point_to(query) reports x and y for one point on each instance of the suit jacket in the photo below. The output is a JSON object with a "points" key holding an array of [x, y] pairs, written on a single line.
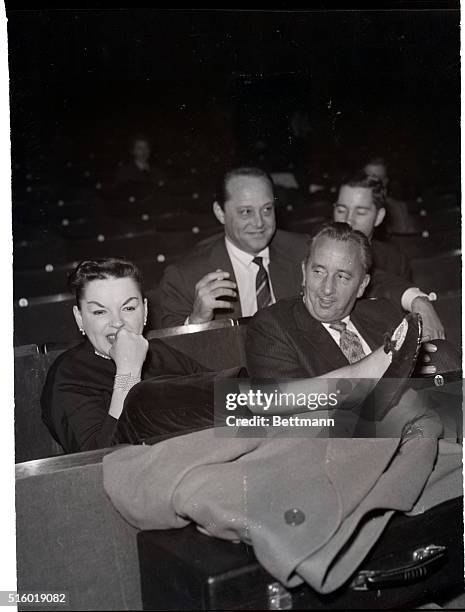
{"points": [[177, 287], [285, 341], [388, 257]]}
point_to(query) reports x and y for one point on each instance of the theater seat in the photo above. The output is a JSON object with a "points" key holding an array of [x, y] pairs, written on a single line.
{"points": [[48, 280], [449, 308], [40, 252], [70, 538], [32, 438], [217, 345], [426, 244], [438, 220], [440, 273], [45, 319]]}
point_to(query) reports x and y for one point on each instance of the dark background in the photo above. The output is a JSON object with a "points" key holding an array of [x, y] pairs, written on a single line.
{"points": [[373, 82]]}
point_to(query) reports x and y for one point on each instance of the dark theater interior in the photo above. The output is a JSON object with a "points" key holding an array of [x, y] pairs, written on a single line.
{"points": [[124, 122]]}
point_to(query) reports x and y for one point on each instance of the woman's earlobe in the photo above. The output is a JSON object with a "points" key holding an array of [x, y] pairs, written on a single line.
{"points": [[78, 319]]}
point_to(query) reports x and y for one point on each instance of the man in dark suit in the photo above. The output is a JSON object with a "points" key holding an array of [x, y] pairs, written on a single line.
{"points": [[328, 327], [250, 266], [398, 217], [361, 203]]}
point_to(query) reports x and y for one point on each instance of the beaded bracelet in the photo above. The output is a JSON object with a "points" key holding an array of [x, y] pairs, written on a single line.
{"points": [[125, 382]]}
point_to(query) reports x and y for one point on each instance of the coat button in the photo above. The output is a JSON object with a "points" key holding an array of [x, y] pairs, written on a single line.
{"points": [[294, 517]]}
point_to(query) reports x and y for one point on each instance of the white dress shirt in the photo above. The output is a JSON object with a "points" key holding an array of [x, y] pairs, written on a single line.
{"points": [[336, 336], [245, 272], [413, 292]]}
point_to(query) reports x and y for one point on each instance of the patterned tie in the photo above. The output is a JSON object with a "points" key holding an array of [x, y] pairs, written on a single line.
{"points": [[350, 343], [262, 284]]}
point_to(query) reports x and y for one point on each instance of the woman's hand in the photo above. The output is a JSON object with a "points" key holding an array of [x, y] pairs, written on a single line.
{"points": [[129, 352]]}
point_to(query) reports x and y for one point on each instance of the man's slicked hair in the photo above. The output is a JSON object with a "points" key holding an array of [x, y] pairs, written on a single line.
{"points": [[221, 192], [378, 191], [343, 232]]}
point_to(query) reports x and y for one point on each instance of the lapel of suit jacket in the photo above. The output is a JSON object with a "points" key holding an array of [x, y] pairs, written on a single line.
{"points": [[284, 274], [319, 341], [368, 327], [219, 258]]}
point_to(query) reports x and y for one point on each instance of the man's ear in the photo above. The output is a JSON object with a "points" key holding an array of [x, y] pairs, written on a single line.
{"points": [[380, 216], [363, 285], [78, 317], [218, 212], [304, 275]]}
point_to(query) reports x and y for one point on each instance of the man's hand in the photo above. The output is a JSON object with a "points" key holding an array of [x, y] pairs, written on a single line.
{"points": [[424, 359], [432, 326], [128, 352], [212, 286]]}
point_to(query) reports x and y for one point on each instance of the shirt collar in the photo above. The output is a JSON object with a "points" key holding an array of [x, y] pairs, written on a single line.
{"points": [[246, 258], [345, 320]]}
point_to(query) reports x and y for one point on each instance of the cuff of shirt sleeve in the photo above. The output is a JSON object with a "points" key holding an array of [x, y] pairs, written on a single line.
{"points": [[410, 294]]}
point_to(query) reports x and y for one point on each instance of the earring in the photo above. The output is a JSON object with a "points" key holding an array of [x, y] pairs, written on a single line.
{"points": [[82, 331]]}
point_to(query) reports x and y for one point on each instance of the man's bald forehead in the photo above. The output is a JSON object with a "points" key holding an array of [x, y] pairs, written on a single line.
{"points": [[246, 184]]}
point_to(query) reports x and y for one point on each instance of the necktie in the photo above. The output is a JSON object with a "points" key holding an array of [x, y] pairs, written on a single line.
{"points": [[350, 343], [262, 284]]}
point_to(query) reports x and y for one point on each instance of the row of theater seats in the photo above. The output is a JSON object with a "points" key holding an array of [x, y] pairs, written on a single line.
{"points": [[49, 318], [67, 175], [90, 218], [151, 245], [80, 234], [153, 240], [87, 216], [216, 345], [74, 215]]}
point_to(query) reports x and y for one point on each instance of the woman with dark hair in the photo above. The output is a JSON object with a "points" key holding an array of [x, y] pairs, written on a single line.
{"points": [[86, 386]]}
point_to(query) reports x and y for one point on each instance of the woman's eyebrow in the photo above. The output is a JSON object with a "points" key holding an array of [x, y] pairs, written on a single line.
{"points": [[129, 299], [96, 303]]}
